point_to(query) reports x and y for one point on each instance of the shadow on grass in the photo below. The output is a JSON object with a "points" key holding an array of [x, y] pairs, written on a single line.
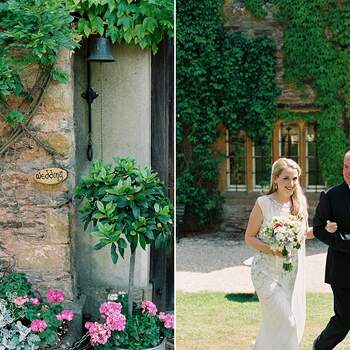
{"points": [[242, 297]]}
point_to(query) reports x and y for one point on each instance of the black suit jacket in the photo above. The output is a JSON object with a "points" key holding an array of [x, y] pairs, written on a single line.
{"points": [[335, 206]]}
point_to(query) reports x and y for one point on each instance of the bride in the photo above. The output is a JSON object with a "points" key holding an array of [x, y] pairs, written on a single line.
{"points": [[281, 293]]}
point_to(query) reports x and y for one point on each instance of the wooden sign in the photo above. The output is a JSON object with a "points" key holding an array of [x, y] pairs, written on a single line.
{"points": [[50, 176]]}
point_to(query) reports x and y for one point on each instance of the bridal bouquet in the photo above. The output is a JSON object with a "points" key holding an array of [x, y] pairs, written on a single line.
{"points": [[283, 234]]}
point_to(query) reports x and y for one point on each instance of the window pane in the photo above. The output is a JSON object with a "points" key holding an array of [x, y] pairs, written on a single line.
{"points": [[289, 141], [313, 174], [237, 161], [261, 169]]}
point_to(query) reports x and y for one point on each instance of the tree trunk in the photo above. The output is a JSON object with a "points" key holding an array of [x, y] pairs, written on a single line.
{"points": [[131, 282]]}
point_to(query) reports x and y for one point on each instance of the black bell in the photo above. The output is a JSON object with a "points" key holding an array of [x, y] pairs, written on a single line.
{"points": [[100, 50]]}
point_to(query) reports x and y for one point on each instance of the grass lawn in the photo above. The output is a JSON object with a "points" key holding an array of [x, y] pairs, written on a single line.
{"points": [[220, 321]]}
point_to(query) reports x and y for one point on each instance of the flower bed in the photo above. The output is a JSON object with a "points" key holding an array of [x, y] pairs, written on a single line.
{"points": [[27, 320], [145, 328]]}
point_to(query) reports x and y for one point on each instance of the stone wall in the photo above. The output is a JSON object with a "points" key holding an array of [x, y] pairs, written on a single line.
{"points": [[238, 206], [237, 18], [35, 218]]}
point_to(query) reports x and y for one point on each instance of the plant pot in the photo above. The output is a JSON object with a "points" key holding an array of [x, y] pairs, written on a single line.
{"points": [[161, 346]]}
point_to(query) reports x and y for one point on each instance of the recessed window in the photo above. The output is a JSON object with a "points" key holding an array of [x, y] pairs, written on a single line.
{"points": [[236, 154], [289, 141], [314, 180], [261, 166]]}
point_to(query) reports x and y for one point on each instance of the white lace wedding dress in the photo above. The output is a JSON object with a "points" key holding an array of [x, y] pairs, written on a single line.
{"points": [[281, 293]]}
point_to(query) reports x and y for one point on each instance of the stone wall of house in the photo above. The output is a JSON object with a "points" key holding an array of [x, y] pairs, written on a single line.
{"points": [[237, 18], [35, 218], [239, 204]]}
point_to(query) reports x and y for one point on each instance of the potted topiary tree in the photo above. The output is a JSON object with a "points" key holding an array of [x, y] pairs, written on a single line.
{"points": [[126, 205]]}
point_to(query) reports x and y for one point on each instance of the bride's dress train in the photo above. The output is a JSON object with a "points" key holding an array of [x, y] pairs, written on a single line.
{"points": [[281, 293]]}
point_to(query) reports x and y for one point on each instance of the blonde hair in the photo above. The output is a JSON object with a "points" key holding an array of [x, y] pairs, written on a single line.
{"points": [[347, 154], [299, 204]]}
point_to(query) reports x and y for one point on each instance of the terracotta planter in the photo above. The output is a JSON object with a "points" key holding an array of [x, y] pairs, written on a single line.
{"points": [[161, 346]]}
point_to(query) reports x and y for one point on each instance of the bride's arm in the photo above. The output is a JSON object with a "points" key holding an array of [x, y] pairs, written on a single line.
{"points": [[309, 233], [254, 223]]}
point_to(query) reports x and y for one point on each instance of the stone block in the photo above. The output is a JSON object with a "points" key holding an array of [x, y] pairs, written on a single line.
{"points": [[61, 143], [58, 98], [57, 226], [35, 257], [55, 121], [43, 281]]}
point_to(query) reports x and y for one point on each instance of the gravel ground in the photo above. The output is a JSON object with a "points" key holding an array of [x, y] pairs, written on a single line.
{"points": [[212, 262]]}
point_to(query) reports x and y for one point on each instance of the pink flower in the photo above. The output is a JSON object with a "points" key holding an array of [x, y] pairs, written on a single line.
{"points": [[88, 324], [168, 319], [66, 314], [110, 308], [277, 225], [35, 301], [149, 306], [55, 296], [116, 322], [21, 300], [38, 326], [99, 334]]}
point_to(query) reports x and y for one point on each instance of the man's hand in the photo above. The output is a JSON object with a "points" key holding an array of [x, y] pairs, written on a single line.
{"points": [[331, 227]]}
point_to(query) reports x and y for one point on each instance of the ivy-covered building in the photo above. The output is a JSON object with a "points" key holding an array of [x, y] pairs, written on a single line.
{"points": [[283, 93]]}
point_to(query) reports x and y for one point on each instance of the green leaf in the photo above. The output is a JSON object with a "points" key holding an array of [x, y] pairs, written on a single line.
{"points": [[112, 5], [114, 253], [100, 206], [13, 117], [128, 36], [122, 243], [124, 21], [159, 241], [133, 243], [135, 210], [156, 207], [98, 25], [139, 31], [142, 241], [150, 235], [101, 244], [150, 24], [59, 75]]}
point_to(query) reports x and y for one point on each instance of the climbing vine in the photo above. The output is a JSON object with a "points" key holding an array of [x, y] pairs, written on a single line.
{"points": [[32, 34], [136, 22], [317, 52], [34, 31], [222, 79]]}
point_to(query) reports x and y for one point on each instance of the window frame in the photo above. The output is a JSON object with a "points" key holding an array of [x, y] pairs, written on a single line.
{"points": [[250, 176]]}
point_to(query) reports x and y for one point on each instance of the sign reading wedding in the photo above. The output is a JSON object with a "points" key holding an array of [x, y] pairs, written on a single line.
{"points": [[50, 176]]}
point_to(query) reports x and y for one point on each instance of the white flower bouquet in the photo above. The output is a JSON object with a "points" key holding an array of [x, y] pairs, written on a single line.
{"points": [[284, 235]]}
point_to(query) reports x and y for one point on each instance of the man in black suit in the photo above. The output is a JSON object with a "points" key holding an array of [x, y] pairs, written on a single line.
{"points": [[335, 206]]}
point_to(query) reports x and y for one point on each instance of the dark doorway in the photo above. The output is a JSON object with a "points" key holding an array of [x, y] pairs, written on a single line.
{"points": [[162, 263]]}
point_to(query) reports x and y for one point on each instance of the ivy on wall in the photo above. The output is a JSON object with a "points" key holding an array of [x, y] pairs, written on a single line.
{"points": [[317, 52], [34, 31], [222, 78], [142, 23]]}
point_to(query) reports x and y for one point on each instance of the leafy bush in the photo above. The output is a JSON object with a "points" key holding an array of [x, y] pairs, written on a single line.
{"points": [[125, 203]]}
